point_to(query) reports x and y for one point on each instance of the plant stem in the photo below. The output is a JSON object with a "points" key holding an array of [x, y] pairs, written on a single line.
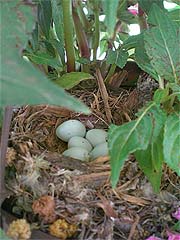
{"points": [[110, 73], [142, 19], [81, 36], [86, 24], [96, 33], [68, 34], [161, 82]]}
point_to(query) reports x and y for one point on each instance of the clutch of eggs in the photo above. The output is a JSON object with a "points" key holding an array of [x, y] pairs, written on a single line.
{"points": [[82, 145]]}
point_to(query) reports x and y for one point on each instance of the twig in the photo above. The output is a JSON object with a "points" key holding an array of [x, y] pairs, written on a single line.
{"points": [[104, 95], [133, 228]]}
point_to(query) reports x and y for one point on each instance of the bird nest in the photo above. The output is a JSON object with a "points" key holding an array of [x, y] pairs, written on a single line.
{"points": [[46, 187]]}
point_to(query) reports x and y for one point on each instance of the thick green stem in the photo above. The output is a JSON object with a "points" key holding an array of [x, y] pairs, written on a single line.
{"points": [[142, 19], [81, 36], [68, 34], [97, 31]]}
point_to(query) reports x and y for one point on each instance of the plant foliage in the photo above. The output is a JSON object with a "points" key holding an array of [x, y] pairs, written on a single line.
{"points": [[154, 137]]}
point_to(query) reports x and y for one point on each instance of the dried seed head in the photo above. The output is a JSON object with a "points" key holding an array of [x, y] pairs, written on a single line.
{"points": [[61, 229], [19, 230]]}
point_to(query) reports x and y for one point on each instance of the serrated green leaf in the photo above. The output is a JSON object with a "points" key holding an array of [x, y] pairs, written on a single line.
{"points": [[171, 143], [43, 58], [45, 16], [146, 4], [128, 138], [21, 83], [142, 58], [118, 57], [163, 52], [69, 80], [110, 10], [151, 160]]}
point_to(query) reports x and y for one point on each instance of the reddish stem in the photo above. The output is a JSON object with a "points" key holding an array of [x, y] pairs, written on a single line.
{"points": [[81, 36]]}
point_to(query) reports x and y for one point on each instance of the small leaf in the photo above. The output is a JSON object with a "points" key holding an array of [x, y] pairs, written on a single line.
{"points": [[118, 57], [70, 80], [44, 16], [110, 10], [151, 160], [171, 143], [164, 53], [43, 58]]}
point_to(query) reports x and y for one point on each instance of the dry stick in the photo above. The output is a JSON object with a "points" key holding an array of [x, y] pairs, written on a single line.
{"points": [[4, 144], [133, 228], [104, 95]]}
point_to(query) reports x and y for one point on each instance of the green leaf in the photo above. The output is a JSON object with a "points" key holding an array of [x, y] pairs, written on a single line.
{"points": [[161, 45], [110, 10], [118, 57], [151, 160], [3, 235], [45, 16], [70, 80], [142, 58], [128, 138], [146, 5], [57, 14], [176, 89], [161, 95], [174, 15], [21, 83], [171, 143], [60, 49], [43, 58], [35, 38]]}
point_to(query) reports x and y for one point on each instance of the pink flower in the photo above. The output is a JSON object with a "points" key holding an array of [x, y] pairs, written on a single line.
{"points": [[153, 238], [176, 214], [173, 236], [133, 11]]}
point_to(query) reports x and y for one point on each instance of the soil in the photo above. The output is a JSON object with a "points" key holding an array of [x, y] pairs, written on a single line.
{"points": [[82, 191]]}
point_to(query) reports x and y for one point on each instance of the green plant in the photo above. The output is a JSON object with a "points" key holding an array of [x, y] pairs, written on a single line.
{"points": [[154, 137]]}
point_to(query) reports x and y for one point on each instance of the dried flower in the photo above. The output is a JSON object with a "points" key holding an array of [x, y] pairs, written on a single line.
{"points": [[61, 229], [45, 207], [176, 214], [19, 230]]}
